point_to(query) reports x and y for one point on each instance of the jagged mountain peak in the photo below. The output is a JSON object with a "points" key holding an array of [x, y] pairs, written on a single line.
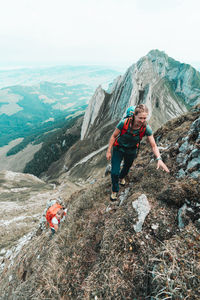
{"points": [[161, 58], [156, 52]]}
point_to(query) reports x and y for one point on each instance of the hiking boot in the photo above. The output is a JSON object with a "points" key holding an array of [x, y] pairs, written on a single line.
{"points": [[113, 196], [123, 181]]}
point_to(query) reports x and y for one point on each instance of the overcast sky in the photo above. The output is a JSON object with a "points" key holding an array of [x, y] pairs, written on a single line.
{"points": [[103, 32]]}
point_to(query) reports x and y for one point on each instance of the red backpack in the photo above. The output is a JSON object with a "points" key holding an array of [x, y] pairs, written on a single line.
{"points": [[51, 212], [125, 128]]}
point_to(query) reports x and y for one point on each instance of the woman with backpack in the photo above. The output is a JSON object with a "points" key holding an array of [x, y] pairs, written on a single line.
{"points": [[125, 142]]}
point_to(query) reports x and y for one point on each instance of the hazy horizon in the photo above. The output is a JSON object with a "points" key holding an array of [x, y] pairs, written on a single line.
{"points": [[120, 67], [51, 65], [92, 32]]}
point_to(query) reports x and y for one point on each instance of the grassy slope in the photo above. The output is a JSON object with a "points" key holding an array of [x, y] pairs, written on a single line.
{"points": [[97, 254]]}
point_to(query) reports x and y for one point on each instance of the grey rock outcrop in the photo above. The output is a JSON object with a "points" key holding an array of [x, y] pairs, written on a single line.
{"points": [[188, 157], [142, 207], [183, 220], [92, 110]]}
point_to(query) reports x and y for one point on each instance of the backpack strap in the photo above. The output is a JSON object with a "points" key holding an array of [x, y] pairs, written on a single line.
{"points": [[142, 131], [125, 126], [124, 129], [141, 135]]}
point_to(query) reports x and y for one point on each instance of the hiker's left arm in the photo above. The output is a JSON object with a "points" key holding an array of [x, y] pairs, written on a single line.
{"points": [[111, 143], [160, 163]]}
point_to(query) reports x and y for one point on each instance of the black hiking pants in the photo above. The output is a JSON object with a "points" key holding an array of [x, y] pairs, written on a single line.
{"points": [[116, 160]]}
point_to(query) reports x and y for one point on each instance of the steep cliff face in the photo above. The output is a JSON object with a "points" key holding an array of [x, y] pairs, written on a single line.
{"points": [[92, 110], [108, 106], [166, 86]]}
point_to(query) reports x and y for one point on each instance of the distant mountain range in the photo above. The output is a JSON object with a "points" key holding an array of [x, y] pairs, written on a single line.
{"points": [[26, 111], [71, 75], [28, 103]]}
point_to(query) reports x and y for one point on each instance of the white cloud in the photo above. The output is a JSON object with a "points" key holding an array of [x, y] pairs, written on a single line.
{"points": [[94, 31], [63, 106]]}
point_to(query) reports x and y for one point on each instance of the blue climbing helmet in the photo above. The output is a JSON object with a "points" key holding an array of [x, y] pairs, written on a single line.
{"points": [[130, 111]]}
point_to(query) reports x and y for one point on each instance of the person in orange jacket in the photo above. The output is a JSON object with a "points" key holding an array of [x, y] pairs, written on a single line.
{"points": [[54, 215], [55, 222]]}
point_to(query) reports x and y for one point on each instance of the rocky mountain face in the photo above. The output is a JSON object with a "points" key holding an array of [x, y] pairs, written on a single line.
{"points": [[144, 246], [166, 86]]}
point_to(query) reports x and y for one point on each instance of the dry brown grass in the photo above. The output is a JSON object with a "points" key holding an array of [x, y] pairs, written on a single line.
{"points": [[97, 254], [176, 267]]}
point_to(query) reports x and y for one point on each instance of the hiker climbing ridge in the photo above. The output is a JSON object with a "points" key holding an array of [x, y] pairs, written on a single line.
{"points": [[125, 143], [54, 215]]}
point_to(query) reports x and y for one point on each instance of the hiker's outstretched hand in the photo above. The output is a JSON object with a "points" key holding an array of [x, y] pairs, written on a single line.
{"points": [[162, 165], [108, 155]]}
